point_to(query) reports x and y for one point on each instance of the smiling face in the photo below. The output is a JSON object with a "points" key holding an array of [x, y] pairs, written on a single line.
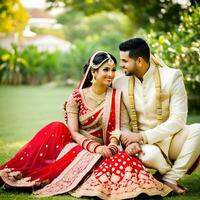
{"points": [[128, 64], [105, 74]]}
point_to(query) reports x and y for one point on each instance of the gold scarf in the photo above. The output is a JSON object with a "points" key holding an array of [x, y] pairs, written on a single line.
{"points": [[131, 86]]}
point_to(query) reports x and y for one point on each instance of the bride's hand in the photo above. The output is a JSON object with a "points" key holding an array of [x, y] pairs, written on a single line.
{"points": [[104, 151], [114, 148]]}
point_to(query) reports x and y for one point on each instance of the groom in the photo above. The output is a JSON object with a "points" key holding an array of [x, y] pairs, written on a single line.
{"points": [[156, 100]]}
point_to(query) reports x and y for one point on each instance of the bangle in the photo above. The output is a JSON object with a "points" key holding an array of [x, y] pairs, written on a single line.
{"points": [[87, 147], [83, 142], [95, 148], [114, 148]]}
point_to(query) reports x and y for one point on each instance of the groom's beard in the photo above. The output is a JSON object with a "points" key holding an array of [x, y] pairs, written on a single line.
{"points": [[129, 73]]}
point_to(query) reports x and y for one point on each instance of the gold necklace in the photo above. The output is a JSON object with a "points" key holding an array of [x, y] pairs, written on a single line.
{"points": [[99, 98]]}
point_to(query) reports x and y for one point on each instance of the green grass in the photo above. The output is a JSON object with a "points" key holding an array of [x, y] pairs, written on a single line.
{"points": [[24, 110]]}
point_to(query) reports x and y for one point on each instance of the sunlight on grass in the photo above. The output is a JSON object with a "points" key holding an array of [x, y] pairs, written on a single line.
{"points": [[13, 145]]}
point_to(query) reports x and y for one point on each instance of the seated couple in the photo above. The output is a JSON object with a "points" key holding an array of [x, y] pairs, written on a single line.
{"points": [[112, 134]]}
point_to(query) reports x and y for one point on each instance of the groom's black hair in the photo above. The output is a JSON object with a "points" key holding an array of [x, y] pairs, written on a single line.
{"points": [[137, 47]]}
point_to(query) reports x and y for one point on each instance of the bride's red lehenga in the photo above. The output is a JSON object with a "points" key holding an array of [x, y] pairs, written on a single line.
{"points": [[52, 158]]}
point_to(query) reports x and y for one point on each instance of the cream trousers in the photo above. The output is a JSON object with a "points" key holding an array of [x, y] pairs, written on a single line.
{"points": [[183, 152]]}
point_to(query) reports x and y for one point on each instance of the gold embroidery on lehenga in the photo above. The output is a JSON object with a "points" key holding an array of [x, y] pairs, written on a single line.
{"points": [[72, 175]]}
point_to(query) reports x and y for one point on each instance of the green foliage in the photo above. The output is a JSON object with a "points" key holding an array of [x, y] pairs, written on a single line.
{"points": [[180, 48], [72, 62], [77, 26], [34, 59], [13, 17], [42, 66], [143, 13], [58, 32], [12, 65], [101, 31], [29, 66]]}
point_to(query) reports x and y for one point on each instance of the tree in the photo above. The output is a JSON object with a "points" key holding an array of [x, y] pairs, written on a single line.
{"points": [[77, 26], [13, 17], [143, 13], [180, 48]]}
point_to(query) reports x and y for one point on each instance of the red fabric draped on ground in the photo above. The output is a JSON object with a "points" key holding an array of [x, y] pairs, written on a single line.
{"points": [[37, 159], [45, 157], [42, 149]]}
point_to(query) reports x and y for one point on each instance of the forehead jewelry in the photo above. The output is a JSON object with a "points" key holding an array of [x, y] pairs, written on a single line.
{"points": [[110, 61]]}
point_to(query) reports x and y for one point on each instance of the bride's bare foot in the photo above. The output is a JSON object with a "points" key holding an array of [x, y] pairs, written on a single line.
{"points": [[177, 189]]}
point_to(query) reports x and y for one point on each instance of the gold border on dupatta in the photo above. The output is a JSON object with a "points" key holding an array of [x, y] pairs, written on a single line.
{"points": [[88, 135], [106, 112], [94, 122]]}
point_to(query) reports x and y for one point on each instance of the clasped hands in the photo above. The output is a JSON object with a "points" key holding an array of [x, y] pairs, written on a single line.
{"points": [[132, 141], [107, 151]]}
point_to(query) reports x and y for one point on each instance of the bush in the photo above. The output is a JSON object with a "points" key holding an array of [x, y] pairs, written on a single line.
{"points": [[12, 66], [180, 48]]}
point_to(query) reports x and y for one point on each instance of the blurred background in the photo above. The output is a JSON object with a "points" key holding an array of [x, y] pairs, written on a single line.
{"points": [[44, 45], [48, 42]]}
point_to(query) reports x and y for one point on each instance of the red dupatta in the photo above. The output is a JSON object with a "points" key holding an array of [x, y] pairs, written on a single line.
{"points": [[111, 113]]}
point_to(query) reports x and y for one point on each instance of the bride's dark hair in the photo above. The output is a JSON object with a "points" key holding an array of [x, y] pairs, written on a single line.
{"points": [[98, 58]]}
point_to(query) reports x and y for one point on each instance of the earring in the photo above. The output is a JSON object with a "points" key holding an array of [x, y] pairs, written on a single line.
{"points": [[93, 79]]}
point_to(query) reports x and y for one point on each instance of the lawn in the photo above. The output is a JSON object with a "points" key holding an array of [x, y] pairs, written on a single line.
{"points": [[24, 110]]}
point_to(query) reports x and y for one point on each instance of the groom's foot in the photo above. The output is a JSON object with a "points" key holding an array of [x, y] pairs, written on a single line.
{"points": [[177, 189]]}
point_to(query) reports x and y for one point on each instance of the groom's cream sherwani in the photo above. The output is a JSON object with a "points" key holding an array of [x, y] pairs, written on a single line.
{"points": [[172, 134]]}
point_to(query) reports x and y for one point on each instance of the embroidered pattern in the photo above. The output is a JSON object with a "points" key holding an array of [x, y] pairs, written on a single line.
{"points": [[119, 177], [77, 97], [72, 175]]}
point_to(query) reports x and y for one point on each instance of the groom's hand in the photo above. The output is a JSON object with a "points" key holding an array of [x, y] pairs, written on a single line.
{"points": [[133, 149], [129, 137]]}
